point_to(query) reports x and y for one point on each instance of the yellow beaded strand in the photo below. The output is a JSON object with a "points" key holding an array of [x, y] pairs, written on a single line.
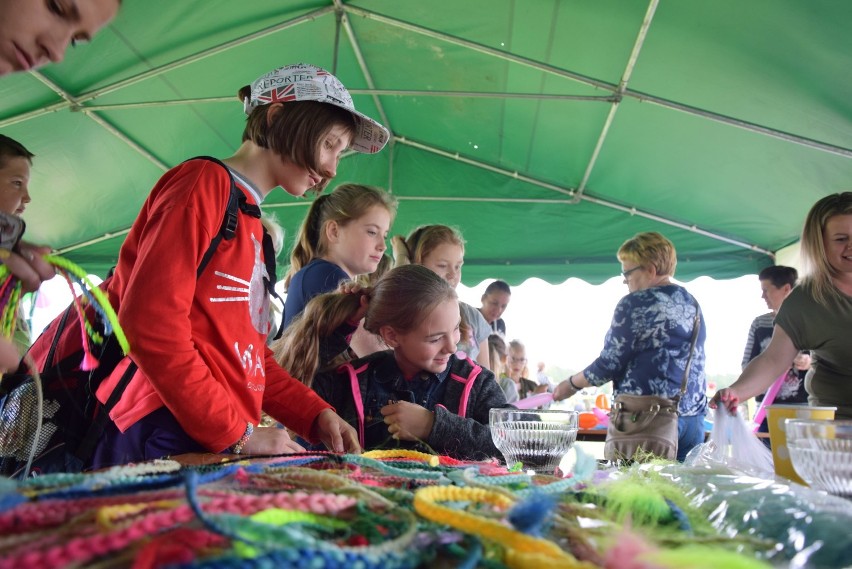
{"points": [[522, 551]]}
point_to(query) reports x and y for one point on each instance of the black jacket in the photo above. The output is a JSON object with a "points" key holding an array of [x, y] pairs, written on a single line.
{"points": [[464, 388]]}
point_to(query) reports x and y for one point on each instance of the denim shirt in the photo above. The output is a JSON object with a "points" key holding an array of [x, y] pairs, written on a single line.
{"points": [[647, 347], [380, 381]]}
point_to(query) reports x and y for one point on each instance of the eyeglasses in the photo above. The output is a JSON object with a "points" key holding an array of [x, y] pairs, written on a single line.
{"points": [[627, 273]]}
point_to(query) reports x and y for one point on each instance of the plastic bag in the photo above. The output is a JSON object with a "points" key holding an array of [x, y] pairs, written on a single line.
{"points": [[733, 444]]}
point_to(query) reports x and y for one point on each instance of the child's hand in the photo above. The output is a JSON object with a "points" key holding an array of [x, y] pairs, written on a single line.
{"points": [[9, 356], [335, 433], [270, 440], [408, 421], [28, 265], [351, 287]]}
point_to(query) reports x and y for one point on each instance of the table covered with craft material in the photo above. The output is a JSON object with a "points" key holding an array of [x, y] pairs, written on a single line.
{"points": [[406, 509]]}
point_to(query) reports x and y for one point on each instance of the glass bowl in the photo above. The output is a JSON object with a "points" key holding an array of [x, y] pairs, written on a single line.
{"points": [[538, 439], [821, 453]]}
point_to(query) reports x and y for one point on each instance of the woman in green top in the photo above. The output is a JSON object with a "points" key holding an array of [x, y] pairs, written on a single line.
{"points": [[816, 316]]}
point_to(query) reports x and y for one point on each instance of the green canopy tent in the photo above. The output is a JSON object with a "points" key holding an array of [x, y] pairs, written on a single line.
{"points": [[547, 130]]}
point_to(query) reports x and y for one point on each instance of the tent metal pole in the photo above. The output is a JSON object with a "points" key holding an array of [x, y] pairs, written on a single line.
{"points": [[795, 139], [584, 197], [379, 92], [622, 86], [34, 114], [113, 130], [205, 54], [480, 48], [104, 237], [73, 103], [745, 125], [443, 199], [362, 63], [508, 173]]}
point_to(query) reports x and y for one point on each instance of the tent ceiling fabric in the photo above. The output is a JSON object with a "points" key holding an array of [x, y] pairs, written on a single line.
{"points": [[549, 131]]}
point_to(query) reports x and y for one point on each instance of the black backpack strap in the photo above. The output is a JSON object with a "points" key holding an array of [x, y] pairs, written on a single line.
{"points": [[237, 203], [93, 433]]}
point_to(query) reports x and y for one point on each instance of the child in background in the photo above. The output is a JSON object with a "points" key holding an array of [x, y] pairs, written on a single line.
{"points": [[441, 249], [342, 237], [418, 394], [517, 366], [498, 355], [495, 299], [25, 262]]}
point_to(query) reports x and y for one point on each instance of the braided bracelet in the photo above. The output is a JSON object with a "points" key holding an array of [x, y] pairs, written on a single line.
{"points": [[238, 446]]}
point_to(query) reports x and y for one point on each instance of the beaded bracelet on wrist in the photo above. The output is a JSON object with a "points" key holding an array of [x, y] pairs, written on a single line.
{"points": [[238, 446]]}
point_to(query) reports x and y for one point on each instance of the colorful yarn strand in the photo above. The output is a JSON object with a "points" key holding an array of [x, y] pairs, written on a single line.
{"points": [[101, 302]]}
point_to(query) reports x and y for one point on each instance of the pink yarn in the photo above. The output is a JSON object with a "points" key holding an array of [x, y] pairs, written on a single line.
{"points": [[82, 549], [767, 401]]}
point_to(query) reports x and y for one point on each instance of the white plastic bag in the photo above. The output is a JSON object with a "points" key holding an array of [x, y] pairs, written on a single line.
{"points": [[733, 444]]}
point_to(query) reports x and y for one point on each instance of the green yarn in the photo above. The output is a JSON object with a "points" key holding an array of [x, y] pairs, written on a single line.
{"points": [[702, 557], [634, 501], [97, 293]]}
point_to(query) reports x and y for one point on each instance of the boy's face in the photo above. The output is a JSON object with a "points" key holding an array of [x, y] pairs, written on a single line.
{"points": [[14, 184]]}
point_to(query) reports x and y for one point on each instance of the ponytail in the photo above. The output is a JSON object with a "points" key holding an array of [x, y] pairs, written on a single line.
{"points": [[401, 254], [298, 349], [308, 241]]}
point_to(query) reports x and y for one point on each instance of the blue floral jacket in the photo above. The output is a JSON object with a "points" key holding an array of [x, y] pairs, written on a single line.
{"points": [[647, 347]]}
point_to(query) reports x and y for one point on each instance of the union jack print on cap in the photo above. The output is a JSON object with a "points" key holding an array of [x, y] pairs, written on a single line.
{"points": [[304, 82]]}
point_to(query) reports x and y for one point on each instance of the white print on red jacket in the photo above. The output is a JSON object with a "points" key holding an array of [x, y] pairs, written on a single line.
{"points": [[253, 292]]}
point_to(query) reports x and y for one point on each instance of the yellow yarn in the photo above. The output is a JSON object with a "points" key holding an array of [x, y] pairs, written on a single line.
{"points": [[430, 459], [522, 551], [108, 516]]}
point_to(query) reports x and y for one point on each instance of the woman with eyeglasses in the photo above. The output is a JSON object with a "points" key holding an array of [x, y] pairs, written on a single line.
{"points": [[648, 345]]}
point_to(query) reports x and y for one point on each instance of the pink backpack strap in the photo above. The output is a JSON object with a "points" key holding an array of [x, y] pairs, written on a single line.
{"points": [[468, 381], [356, 396]]}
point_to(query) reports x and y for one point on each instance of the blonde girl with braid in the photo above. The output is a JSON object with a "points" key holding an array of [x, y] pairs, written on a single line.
{"points": [[441, 249]]}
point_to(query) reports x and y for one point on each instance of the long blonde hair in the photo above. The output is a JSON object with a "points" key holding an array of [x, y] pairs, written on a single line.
{"points": [[401, 299], [819, 270], [417, 246], [422, 241], [346, 203]]}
